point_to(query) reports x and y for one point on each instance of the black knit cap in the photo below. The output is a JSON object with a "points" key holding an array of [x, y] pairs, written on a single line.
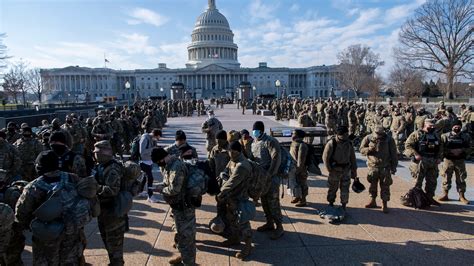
{"points": [[180, 135], [158, 154], [258, 125], [221, 134], [58, 136], [235, 146], [244, 132], [47, 161], [299, 133], [341, 130], [457, 122]]}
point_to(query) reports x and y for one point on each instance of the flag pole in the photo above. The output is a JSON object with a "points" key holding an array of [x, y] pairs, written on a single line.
{"points": [[105, 61]]}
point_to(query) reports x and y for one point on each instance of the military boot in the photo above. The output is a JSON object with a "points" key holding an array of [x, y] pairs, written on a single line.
{"points": [[175, 260], [384, 206], [233, 241], [295, 200], [302, 202], [278, 232], [444, 196], [269, 226], [371, 204], [245, 252], [462, 198]]}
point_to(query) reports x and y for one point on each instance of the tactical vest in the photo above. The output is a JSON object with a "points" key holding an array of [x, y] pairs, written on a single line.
{"points": [[66, 162], [454, 142], [428, 145]]}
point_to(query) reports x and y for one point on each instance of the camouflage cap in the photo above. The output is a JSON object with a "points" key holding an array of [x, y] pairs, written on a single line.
{"points": [[379, 130], [102, 146], [7, 217]]}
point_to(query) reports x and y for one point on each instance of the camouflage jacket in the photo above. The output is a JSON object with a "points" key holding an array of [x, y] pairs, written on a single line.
{"points": [[9, 159], [266, 152], [28, 149], [236, 187], [380, 152]]}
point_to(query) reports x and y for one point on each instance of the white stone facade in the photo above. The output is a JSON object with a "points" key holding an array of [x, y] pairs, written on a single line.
{"points": [[212, 70]]}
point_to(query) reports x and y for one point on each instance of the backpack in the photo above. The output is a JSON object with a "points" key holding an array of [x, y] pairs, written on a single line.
{"points": [[260, 182], [135, 149], [287, 163], [197, 182], [416, 198], [65, 211]]}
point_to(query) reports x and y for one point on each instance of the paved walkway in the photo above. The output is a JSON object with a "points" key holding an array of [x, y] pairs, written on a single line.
{"points": [[439, 236]]}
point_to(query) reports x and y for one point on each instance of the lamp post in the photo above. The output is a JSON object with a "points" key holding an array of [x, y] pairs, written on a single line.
{"points": [[254, 91], [161, 93], [127, 87], [278, 85]]}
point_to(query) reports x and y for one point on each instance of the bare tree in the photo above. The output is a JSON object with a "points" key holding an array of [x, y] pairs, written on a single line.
{"points": [[439, 38], [15, 81], [357, 65], [36, 84], [374, 86], [3, 52], [406, 82]]}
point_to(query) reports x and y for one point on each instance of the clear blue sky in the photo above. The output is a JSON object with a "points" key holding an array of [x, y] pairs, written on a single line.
{"points": [[140, 34]]}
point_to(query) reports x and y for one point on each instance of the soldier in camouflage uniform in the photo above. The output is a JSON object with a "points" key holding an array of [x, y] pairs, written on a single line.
{"points": [[234, 190], [112, 228], [339, 159], [7, 217], [352, 119], [56, 126], [382, 161], [184, 214], [219, 157], [117, 135], [101, 129], [398, 130], [246, 141], [457, 146], [304, 120], [180, 141], [68, 248], [74, 128], [69, 161], [266, 152], [299, 183], [210, 128], [331, 119], [421, 115], [12, 134], [28, 148], [9, 159], [426, 151]]}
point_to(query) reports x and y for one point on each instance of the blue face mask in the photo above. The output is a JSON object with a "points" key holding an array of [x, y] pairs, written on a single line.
{"points": [[256, 133]]}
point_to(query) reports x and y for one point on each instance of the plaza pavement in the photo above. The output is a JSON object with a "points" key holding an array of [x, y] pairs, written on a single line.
{"points": [[438, 236]]}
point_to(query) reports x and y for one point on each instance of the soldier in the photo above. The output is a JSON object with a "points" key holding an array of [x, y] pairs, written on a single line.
{"points": [[66, 248], [28, 148], [101, 129], [426, 151], [266, 152], [331, 119], [243, 104], [219, 157], [456, 147], [69, 161], [246, 141], [112, 228], [352, 119], [299, 183], [421, 115], [234, 191], [10, 160], [7, 217], [180, 141], [398, 130], [12, 134], [382, 161], [56, 126], [254, 107], [76, 131], [304, 120], [210, 127], [173, 189], [339, 159]]}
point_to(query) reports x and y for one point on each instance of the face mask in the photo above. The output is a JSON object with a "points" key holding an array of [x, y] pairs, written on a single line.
{"points": [[456, 130], [431, 130], [56, 126], [27, 136], [11, 129], [256, 133], [58, 149], [161, 163]]}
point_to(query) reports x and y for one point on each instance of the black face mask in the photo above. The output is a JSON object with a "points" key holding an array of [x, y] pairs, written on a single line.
{"points": [[456, 130], [161, 164], [56, 127], [431, 130], [11, 129], [59, 149]]}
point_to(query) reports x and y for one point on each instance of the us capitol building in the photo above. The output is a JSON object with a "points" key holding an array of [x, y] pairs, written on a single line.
{"points": [[212, 70]]}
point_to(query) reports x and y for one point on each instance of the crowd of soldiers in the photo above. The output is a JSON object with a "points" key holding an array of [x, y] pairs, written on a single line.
{"points": [[84, 154]]}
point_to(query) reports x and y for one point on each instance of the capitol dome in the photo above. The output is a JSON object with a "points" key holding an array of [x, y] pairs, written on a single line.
{"points": [[212, 41]]}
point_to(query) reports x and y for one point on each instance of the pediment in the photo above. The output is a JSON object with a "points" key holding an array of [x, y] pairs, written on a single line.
{"points": [[212, 68]]}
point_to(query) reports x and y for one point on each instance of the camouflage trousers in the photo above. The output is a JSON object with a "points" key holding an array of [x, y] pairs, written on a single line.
{"points": [[380, 176], [399, 142], [112, 230], [339, 178], [185, 237], [210, 143], [458, 167], [237, 230], [271, 202], [15, 246], [425, 170], [298, 185], [67, 250]]}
